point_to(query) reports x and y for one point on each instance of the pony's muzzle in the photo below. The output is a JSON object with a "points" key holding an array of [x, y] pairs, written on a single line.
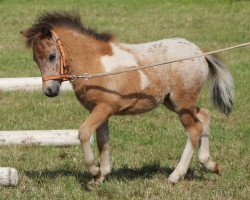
{"points": [[51, 88]]}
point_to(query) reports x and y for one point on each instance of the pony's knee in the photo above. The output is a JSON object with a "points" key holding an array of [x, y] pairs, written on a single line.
{"points": [[83, 136]]}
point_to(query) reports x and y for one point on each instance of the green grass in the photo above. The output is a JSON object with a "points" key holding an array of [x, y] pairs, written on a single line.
{"points": [[144, 148]]}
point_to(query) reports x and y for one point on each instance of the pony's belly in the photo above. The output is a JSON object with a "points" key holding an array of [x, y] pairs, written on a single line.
{"points": [[143, 102], [148, 97], [140, 106]]}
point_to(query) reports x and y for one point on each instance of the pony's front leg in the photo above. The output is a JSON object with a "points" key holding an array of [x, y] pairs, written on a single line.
{"points": [[98, 116], [102, 136]]}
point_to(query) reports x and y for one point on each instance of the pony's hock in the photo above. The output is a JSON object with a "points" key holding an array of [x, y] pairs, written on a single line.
{"points": [[8, 176], [63, 47]]}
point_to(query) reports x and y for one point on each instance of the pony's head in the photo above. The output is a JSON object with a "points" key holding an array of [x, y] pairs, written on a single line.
{"points": [[47, 56], [42, 38]]}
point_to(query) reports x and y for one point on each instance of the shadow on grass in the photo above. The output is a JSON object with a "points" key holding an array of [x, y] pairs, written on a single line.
{"points": [[124, 173], [42, 177]]}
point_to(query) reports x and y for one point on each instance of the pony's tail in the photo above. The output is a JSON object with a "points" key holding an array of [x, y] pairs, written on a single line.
{"points": [[222, 84]]}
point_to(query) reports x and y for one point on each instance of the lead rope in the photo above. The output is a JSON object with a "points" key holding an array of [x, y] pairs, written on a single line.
{"points": [[101, 74]]}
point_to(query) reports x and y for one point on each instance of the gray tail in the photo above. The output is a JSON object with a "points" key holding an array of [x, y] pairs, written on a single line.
{"points": [[222, 84]]}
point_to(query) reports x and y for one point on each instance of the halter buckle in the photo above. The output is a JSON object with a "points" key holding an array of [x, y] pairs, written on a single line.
{"points": [[86, 76], [73, 77]]}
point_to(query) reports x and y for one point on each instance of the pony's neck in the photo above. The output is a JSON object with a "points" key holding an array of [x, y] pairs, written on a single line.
{"points": [[83, 52]]}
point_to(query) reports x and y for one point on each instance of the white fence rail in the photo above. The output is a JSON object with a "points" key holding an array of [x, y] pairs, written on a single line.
{"points": [[28, 83], [8, 176], [40, 137]]}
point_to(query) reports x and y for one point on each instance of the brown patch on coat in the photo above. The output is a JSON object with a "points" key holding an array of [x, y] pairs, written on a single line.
{"points": [[192, 125], [179, 95]]}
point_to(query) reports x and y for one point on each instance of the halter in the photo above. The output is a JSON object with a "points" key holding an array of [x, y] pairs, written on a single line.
{"points": [[63, 73]]}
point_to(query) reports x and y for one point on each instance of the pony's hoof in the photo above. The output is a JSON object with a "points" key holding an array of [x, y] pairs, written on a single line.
{"points": [[96, 181], [172, 180], [170, 183], [217, 169], [93, 184]]}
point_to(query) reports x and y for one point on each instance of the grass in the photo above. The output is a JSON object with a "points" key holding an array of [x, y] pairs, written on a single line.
{"points": [[144, 148]]}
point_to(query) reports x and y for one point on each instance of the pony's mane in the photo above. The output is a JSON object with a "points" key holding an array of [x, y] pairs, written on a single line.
{"points": [[49, 20]]}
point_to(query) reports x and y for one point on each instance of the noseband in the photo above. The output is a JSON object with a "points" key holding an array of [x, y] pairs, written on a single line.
{"points": [[63, 71]]}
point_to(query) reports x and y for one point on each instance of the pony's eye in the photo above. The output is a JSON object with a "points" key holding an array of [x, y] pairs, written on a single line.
{"points": [[52, 57]]}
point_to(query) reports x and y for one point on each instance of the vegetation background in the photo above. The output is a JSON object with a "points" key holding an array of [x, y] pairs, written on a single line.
{"points": [[144, 148]]}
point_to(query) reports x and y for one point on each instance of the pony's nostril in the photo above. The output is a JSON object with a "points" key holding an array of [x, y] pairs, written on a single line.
{"points": [[49, 91]]}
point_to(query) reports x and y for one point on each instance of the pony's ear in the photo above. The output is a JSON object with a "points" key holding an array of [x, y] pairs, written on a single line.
{"points": [[23, 33], [46, 32]]}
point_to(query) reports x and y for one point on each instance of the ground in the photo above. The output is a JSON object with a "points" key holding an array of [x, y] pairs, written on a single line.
{"points": [[144, 148]]}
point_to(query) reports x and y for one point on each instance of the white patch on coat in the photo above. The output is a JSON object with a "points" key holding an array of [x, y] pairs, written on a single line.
{"points": [[144, 80], [119, 59]]}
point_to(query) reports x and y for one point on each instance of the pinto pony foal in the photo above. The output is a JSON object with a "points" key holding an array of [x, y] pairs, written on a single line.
{"points": [[175, 85]]}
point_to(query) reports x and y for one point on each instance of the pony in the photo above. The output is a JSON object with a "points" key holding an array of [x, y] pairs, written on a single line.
{"points": [[177, 85]]}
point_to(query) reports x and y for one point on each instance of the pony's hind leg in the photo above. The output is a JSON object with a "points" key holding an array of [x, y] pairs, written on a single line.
{"points": [[102, 136], [193, 129], [204, 154]]}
